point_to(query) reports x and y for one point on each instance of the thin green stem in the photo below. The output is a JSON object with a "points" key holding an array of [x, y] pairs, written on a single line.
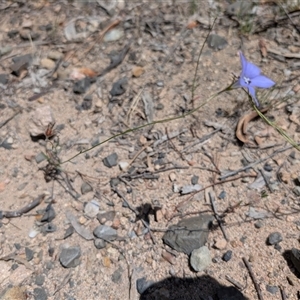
{"points": [[148, 124]]}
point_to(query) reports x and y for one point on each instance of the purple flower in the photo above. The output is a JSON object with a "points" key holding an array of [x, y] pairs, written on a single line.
{"points": [[250, 78]]}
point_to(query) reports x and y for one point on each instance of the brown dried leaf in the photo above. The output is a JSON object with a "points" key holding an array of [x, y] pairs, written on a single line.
{"points": [[263, 47]]}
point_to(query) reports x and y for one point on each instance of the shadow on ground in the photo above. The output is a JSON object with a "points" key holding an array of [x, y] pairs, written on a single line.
{"points": [[201, 288]]}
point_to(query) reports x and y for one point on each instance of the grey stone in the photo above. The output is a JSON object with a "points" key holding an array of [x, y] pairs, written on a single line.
{"points": [[229, 293], [69, 257], [227, 256], [39, 279], [85, 188], [99, 243], [3, 78], [222, 195], [106, 216], [239, 8], [20, 63], [259, 224], [296, 190], [105, 232], [216, 42], [142, 284], [117, 275], [187, 189], [110, 160], [81, 86], [48, 228], [188, 234], [29, 254], [194, 179], [40, 157], [40, 294], [119, 87], [91, 209], [295, 258], [49, 214], [273, 289], [274, 238], [87, 102], [200, 259]]}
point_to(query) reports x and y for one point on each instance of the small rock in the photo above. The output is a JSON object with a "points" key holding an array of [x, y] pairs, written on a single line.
{"points": [[123, 165], [222, 195], [106, 216], [12, 33], [28, 35], [40, 157], [99, 243], [216, 42], [105, 232], [160, 83], [4, 78], [274, 238], [259, 224], [117, 275], [86, 188], [113, 35], [87, 102], [227, 256], [26, 24], [239, 8], [47, 63], [169, 257], [220, 244], [91, 209], [40, 294], [138, 71], [39, 279], [29, 254], [49, 214], [272, 289], [15, 293], [172, 177], [111, 160], [194, 180], [81, 86], [21, 63], [200, 259], [106, 262], [40, 119], [55, 55], [142, 285], [69, 257], [119, 87], [187, 189], [33, 232]]}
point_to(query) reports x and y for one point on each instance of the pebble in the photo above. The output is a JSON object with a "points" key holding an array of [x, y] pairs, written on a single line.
{"points": [[55, 55], [259, 224], [222, 195], [187, 189], [48, 214], [29, 254], [21, 63], [194, 180], [169, 257], [40, 157], [5, 50], [273, 289], [81, 86], [106, 262], [41, 117], [47, 63], [119, 87], [113, 35], [138, 71], [123, 165], [40, 294], [172, 177], [216, 42], [70, 257], [105, 232], [4, 78], [33, 232], [106, 216], [110, 160], [39, 279], [99, 243], [91, 209], [142, 285], [227, 256], [274, 238], [192, 237], [200, 259], [220, 243], [86, 188]]}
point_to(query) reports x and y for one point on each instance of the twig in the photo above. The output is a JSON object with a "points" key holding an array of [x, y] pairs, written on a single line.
{"points": [[23, 210], [260, 297], [214, 207], [229, 174], [266, 179], [63, 283], [234, 282], [283, 294], [10, 118]]}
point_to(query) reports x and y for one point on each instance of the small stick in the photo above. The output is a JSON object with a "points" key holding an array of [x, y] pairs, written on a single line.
{"points": [[214, 207], [283, 294], [10, 118], [266, 179], [23, 210], [234, 282], [260, 297]]}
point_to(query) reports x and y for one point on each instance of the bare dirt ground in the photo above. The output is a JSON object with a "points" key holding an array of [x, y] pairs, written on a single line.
{"points": [[154, 53]]}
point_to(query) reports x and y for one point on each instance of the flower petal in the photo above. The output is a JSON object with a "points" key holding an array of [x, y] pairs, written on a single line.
{"points": [[239, 84], [249, 70], [251, 91], [262, 81]]}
